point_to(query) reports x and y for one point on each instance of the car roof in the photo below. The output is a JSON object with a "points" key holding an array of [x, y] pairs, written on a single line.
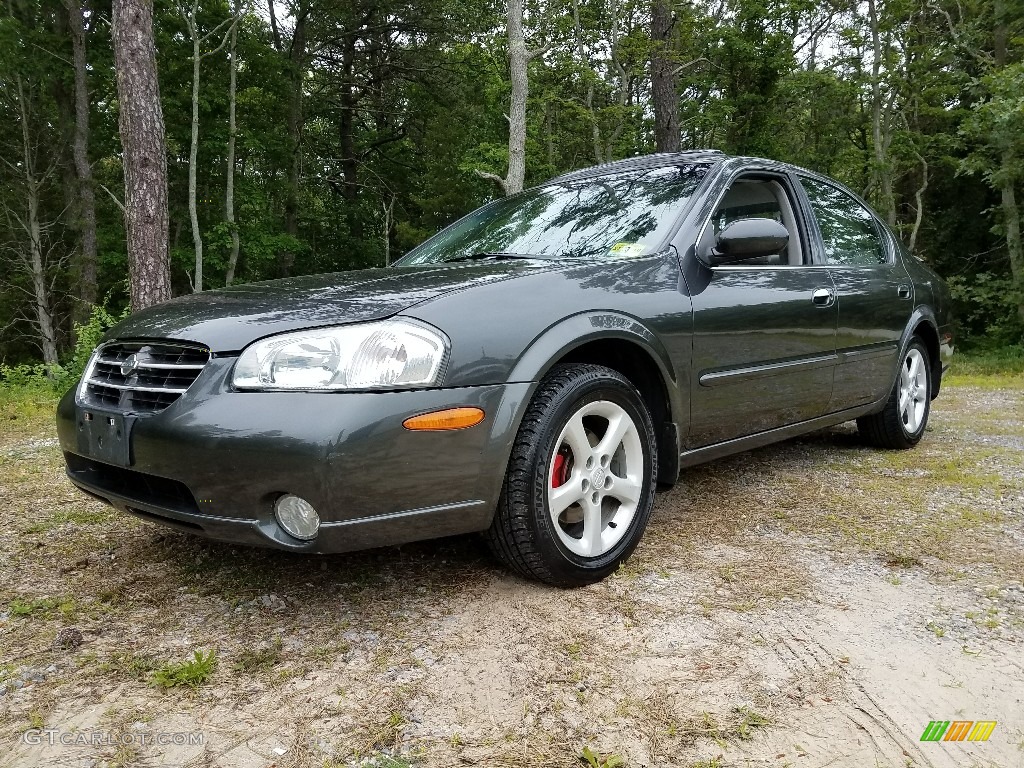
{"points": [[658, 160]]}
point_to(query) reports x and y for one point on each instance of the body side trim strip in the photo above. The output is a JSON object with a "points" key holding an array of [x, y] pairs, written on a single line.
{"points": [[715, 378]]}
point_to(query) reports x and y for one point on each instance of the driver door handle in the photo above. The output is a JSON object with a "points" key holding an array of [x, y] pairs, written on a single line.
{"points": [[823, 297]]}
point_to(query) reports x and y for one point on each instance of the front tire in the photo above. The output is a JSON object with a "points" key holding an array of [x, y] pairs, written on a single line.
{"points": [[902, 421], [580, 482]]}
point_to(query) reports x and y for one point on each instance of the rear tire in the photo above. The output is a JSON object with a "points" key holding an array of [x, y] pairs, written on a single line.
{"points": [[901, 423], [580, 482]]}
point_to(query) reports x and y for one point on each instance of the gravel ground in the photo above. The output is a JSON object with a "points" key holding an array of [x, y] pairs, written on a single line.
{"points": [[813, 603]]}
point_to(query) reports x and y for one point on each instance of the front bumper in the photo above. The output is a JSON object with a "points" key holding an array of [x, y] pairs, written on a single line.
{"points": [[214, 462]]}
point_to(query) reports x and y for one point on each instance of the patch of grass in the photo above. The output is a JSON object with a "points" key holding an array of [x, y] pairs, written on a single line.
{"points": [[749, 721], [26, 403], [758, 578], [75, 516], [127, 665], [43, 608], [900, 560], [597, 760], [374, 761], [192, 673], [1003, 362], [259, 660]]}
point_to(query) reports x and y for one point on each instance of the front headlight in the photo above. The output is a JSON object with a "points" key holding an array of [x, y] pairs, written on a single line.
{"points": [[392, 354]]}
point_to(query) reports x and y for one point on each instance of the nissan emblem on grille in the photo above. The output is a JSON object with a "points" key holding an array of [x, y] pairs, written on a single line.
{"points": [[140, 377], [129, 366]]}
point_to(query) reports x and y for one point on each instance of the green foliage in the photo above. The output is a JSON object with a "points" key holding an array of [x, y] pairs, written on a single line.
{"points": [[89, 334], [1007, 361], [191, 674], [357, 145], [43, 608], [41, 379], [595, 760], [986, 310]]}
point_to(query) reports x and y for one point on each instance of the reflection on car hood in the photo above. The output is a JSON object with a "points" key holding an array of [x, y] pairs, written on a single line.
{"points": [[230, 318]]}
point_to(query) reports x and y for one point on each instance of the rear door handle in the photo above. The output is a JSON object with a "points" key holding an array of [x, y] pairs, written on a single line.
{"points": [[823, 297], [903, 291]]}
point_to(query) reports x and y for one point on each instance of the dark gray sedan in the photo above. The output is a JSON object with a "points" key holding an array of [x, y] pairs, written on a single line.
{"points": [[533, 371]]}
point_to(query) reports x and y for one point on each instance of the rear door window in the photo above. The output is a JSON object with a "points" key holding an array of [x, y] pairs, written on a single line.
{"points": [[849, 232]]}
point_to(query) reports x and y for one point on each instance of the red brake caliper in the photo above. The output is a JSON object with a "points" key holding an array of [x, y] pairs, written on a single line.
{"points": [[561, 467]]}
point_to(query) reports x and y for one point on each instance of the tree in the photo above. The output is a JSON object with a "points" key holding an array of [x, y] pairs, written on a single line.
{"points": [[141, 122], [340, 135], [229, 186], [664, 93], [518, 59], [226, 28], [86, 277], [32, 254]]}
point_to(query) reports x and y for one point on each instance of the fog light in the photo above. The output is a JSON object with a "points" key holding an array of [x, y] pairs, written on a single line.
{"points": [[297, 517]]}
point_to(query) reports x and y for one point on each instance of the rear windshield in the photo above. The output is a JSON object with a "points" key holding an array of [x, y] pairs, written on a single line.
{"points": [[623, 215]]}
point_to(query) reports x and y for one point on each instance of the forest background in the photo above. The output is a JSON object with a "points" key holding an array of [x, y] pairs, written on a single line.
{"points": [[154, 149]]}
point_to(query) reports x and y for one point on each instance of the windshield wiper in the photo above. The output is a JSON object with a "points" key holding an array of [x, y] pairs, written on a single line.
{"points": [[497, 255]]}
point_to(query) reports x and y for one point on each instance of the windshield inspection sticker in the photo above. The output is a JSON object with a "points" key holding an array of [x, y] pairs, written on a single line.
{"points": [[626, 249]]}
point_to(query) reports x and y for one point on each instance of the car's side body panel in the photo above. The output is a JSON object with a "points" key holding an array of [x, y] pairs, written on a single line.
{"points": [[763, 353], [874, 303]]}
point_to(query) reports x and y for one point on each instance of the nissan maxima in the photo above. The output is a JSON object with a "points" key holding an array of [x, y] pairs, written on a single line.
{"points": [[532, 372]]}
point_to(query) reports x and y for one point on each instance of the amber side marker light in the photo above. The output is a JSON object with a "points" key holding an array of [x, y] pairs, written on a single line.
{"points": [[450, 418]]}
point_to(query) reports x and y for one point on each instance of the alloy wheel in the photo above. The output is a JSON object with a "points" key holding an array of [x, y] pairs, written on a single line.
{"points": [[596, 478], [913, 395]]}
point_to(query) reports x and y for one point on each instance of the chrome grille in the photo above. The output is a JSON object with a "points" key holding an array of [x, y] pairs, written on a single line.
{"points": [[141, 377]]}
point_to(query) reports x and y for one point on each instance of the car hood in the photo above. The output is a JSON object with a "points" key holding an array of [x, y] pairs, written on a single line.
{"points": [[230, 318]]}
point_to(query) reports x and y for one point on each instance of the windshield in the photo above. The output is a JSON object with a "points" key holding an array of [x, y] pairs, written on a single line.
{"points": [[622, 215]]}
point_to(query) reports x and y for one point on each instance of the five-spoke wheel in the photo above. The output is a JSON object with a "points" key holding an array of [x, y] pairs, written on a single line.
{"points": [[580, 483], [902, 421], [596, 478]]}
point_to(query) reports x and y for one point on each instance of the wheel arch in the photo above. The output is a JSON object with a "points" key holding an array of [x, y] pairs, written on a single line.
{"points": [[624, 344], [924, 325]]}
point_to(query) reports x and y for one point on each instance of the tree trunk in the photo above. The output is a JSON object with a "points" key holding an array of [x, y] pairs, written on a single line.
{"points": [[882, 171], [1011, 222], [229, 187], [141, 125], [193, 152], [581, 51], [1007, 191], [86, 272], [919, 208], [663, 79], [44, 318], [297, 66], [517, 62], [275, 33], [36, 261], [389, 219]]}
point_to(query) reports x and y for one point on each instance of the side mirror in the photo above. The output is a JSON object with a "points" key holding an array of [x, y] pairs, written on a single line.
{"points": [[747, 239]]}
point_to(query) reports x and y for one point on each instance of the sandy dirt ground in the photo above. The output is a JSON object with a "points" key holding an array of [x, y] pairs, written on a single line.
{"points": [[814, 603]]}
